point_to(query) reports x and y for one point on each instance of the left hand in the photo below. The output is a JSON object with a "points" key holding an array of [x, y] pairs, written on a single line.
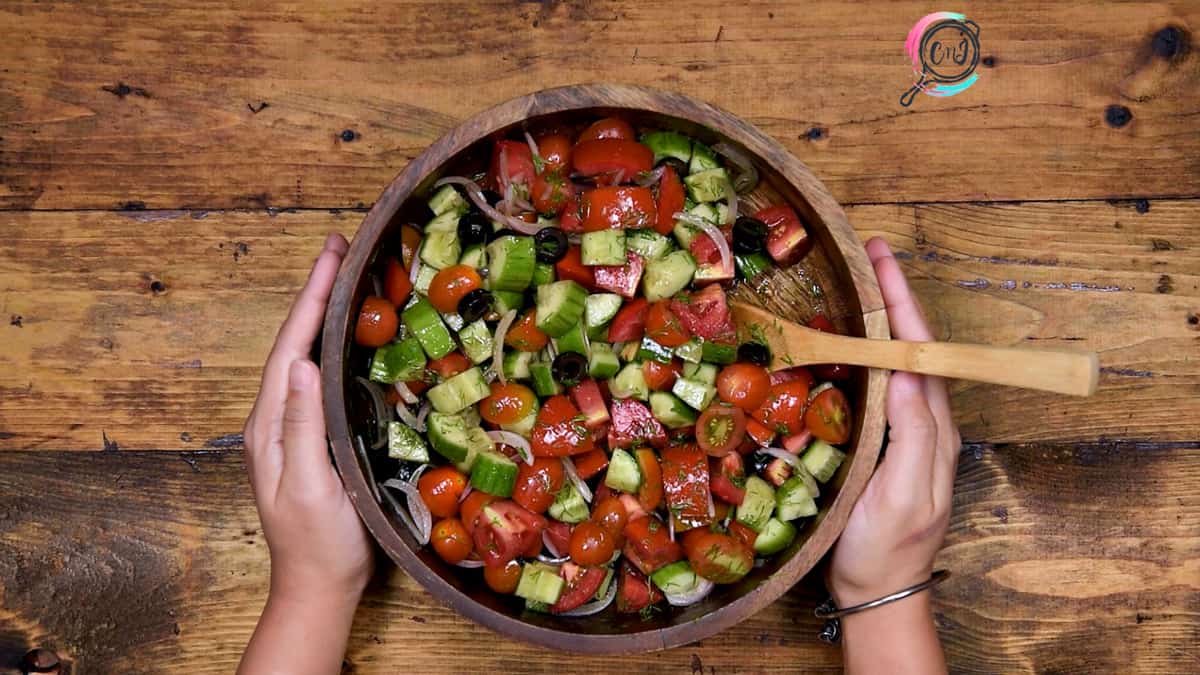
{"points": [[319, 548]]}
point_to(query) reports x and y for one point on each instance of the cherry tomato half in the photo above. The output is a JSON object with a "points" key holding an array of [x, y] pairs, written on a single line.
{"points": [[744, 385], [518, 164], [718, 557], [648, 544], [449, 365], [451, 540], [720, 429], [670, 201], [664, 327], [559, 430], [524, 335], [591, 544], [377, 322], [608, 127], [410, 243], [555, 150], [470, 507], [508, 403], [551, 191], [650, 493], [612, 160], [612, 515], [610, 208], [440, 489], [661, 376], [450, 285], [538, 483], [396, 285], [828, 416], [783, 411], [503, 578]]}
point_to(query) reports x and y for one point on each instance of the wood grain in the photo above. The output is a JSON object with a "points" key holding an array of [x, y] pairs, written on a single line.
{"points": [[170, 574], [216, 104], [76, 302]]}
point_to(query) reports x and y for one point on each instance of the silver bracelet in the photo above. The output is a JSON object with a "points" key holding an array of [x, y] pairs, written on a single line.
{"points": [[831, 632]]}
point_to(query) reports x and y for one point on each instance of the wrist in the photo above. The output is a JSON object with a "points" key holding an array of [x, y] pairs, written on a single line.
{"points": [[294, 591], [848, 594]]}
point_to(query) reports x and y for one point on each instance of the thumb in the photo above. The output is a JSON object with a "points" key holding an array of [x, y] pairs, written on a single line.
{"points": [[912, 441], [305, 456]]}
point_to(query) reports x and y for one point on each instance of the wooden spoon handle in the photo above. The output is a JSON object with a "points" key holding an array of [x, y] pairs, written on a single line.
{"points": [[1064, 372]]}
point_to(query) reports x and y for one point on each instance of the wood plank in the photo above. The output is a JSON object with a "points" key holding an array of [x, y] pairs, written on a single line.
{"points": [[155, 563], [77, 298], [172, 105]]}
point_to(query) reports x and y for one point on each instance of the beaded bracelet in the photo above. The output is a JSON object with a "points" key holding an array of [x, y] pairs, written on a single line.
{"points": [[831, 632]]}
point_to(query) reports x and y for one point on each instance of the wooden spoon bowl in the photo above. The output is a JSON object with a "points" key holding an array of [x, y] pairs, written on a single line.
{"points": [[835, 278]]}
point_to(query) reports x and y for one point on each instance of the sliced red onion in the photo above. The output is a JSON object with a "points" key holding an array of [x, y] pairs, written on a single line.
{"points": [[505, 205], [713, 233], [514, 440], [650, 178], [422, 414], [490, 375], [731, 199], [780, 453], [406, 416], [470, 563], [697, 593], [475, 193], [420, 513], [575, 239], [596, 606], [506, 321], [383, 413], [580, 485], [553, 561], [670, 527], [406, 394], [746, 178], [466, 492], [416, 475], [532, 145], [522, 203], [505, 180], [550, 546], [378, 285], [415, 269], [361, 447]]}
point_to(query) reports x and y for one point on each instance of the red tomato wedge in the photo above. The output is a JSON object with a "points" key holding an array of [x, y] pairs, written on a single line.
{"points": [[633, 424], [828, 416], [538, 483], [634, 590], [611, 160], [572, 267], [396, 285], [650, 494], [621, 279], [590, 464], [612, 208], [685, 482], [582, 584], [558, 534], [630, 322], [504, 530], [590, 401], [718, 557], [787, 240], [518, 160], [728, 478], [670, 201], [706, 313], [559, 430], [783, 411], [648, 544], [570, 220]]}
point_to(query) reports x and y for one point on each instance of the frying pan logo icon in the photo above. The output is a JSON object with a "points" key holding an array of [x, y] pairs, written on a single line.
{"points": [[944, 50]]}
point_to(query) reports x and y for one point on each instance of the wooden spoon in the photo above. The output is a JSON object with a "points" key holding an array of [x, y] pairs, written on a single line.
{"points": [[791, 344]]}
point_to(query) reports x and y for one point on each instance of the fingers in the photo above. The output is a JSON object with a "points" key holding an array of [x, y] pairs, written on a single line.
{"points": [[305, 457], [909, 465]]}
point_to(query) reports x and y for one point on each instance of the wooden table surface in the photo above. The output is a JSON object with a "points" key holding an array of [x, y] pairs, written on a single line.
{"points": [[169, 169]]}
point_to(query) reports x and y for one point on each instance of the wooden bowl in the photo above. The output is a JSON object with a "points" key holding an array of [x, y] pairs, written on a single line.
{"points": [[835, 277]]}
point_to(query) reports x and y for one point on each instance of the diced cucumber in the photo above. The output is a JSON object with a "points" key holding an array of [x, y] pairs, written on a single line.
{"points": [[756, 507], [516, 365], [685, 232], [605, 247], [568, 505], [703, 158], [630, 383], [398, 361], [668, 144], [446, 200], [597, 333], [667, 276], [494, 474], [539, 582], [752, 265], [600, 308], [648, 243], [507, 301], [608, 579], [423, 321], [794, 499], [676, 579], [775, 536], [603, 362], [454, 438], [445, 222], [425, 277], [543, 273], [822, 460], [649, 350], [696, 394], [544, 383], [474, 256], [511, 261], [624, 474], [453, 321], [672, 412], [718, 353], [708, 212], [405, 443], [574, 340], [523, 426], [559, 306], [708, 185], [691, 351], [464, 389], [476, 341], [440, 249], [701, 372]]}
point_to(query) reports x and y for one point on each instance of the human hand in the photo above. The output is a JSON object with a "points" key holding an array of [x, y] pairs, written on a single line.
{"points": [[319, 548], [900, 521]]}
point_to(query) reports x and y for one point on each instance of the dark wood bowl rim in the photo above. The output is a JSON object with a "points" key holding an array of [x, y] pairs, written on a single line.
{"points": [[512, 112]]}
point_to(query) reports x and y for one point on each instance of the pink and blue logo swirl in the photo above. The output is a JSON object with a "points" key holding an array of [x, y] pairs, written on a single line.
{"points": [[944, 50]]}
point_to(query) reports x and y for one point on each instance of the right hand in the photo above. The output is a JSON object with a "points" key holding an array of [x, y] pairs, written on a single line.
{"points": [[900, 521]]}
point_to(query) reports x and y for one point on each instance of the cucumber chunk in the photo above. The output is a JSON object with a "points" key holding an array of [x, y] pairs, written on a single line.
{"points": [[398, 362], [440, 249], [507, 301], [603, 362], [630, 383], [516, 365], [668, 409], [701, 372], [543, 273], [474, 256], [708, 185], [667, 276], [822, 460], [494, 474], [703, 158], [559, 307], [752, 265], [676, 579], [715, 352], [405, 443], [776, 535], [539, 583], [423, 321], [794, 499], [445, 222], [756, 508], [568, 505], [648, 243], [649, 350], [465, 389], [623, 472], [600, 308], [574, 340], [606, 247], [454, 438], [446, 200], [544, 383], [476, 341], [691, 351], [693, 392], [668, 144], [511, 263]]}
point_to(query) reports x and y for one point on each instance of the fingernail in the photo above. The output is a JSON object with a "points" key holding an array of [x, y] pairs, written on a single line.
{"points": [[300, 375], [331, 242]]}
